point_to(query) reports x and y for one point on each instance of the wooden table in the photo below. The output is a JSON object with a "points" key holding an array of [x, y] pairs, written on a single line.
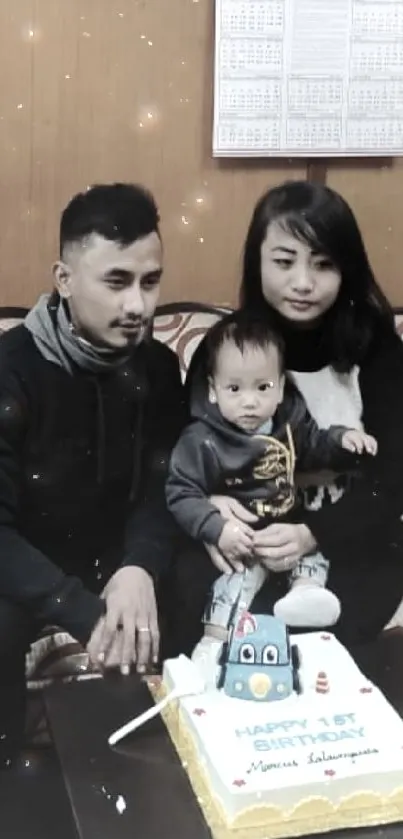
{"points": [[139, 790]]}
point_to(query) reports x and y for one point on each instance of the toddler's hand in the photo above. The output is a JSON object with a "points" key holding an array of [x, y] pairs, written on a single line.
{"points": [[358, 441]]}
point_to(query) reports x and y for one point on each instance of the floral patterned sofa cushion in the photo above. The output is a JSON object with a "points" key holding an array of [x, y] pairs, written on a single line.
{"points": [[181, 326]]}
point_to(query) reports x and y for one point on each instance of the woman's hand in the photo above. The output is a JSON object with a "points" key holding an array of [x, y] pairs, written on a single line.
{"points": [[279, 547]]}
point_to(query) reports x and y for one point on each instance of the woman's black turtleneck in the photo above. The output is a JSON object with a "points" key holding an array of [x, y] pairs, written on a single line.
{"points": [[306, 350]]}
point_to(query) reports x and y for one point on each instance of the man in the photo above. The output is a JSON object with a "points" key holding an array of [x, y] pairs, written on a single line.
{"points": [[90, 408]]}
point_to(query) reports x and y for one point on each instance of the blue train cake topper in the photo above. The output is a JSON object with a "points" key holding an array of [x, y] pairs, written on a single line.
{"points": [[259, 661]]}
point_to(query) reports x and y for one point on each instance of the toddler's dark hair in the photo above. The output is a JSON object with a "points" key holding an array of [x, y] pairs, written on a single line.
{"points": [[244, 329]]}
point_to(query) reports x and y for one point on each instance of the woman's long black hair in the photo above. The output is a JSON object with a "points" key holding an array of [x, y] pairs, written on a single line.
{"points": [[320, 217]]}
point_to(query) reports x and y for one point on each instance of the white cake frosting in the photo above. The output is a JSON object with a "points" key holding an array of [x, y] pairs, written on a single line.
{"points": [[334, 752]]}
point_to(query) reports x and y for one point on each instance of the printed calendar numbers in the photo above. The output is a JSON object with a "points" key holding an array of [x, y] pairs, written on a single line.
{"points": [[304, 78], [253, 135], [250, 97], [250, 57], [239, 17]]}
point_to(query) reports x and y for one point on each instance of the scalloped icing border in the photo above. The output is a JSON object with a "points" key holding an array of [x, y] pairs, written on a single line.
{"points": [[313, 815]]}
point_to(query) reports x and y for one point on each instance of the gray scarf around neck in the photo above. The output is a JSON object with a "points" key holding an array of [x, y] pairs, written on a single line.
{"points": [[56, 340]]}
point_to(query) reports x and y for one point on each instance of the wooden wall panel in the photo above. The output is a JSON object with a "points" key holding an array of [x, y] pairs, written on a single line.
{"points": [[93, 90], [16, 118], [115, 91]]}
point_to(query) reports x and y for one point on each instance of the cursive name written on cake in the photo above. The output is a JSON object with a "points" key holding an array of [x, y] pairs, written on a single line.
{"points": [[262, 767], [323, 757]]}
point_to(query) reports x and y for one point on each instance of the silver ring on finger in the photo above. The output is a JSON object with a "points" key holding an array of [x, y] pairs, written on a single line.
{"points": [[143, 629]]}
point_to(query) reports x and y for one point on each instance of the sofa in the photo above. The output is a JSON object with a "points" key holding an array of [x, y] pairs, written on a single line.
{"points": [[181, 326]]}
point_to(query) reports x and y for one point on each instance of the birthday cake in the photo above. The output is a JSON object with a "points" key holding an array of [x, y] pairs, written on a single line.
{"points": [[328, 757]]}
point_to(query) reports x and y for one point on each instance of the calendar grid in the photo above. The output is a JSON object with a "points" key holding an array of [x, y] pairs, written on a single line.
{"points": [[308, 78]]}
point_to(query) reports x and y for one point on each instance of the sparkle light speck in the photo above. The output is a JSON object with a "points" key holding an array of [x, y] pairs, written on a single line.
{"points": [[86, 34], [201, 239], [150, 43], [121, 804], [19, 106], [67, 76], [29, 33], [184, 220]]}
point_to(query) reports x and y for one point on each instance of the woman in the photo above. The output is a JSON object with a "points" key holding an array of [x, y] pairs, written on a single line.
{"points": [[306, 264]]}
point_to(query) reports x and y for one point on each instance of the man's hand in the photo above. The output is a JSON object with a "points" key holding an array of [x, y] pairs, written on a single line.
{"points": [[128, 633], [279, 547]]}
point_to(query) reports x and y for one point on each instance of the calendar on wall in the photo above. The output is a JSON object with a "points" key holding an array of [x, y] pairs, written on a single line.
{"points": [[308, 78]]}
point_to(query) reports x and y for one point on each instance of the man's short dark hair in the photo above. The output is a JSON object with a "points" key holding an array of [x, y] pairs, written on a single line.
{"points": [[244, 329], [119, 212]]}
